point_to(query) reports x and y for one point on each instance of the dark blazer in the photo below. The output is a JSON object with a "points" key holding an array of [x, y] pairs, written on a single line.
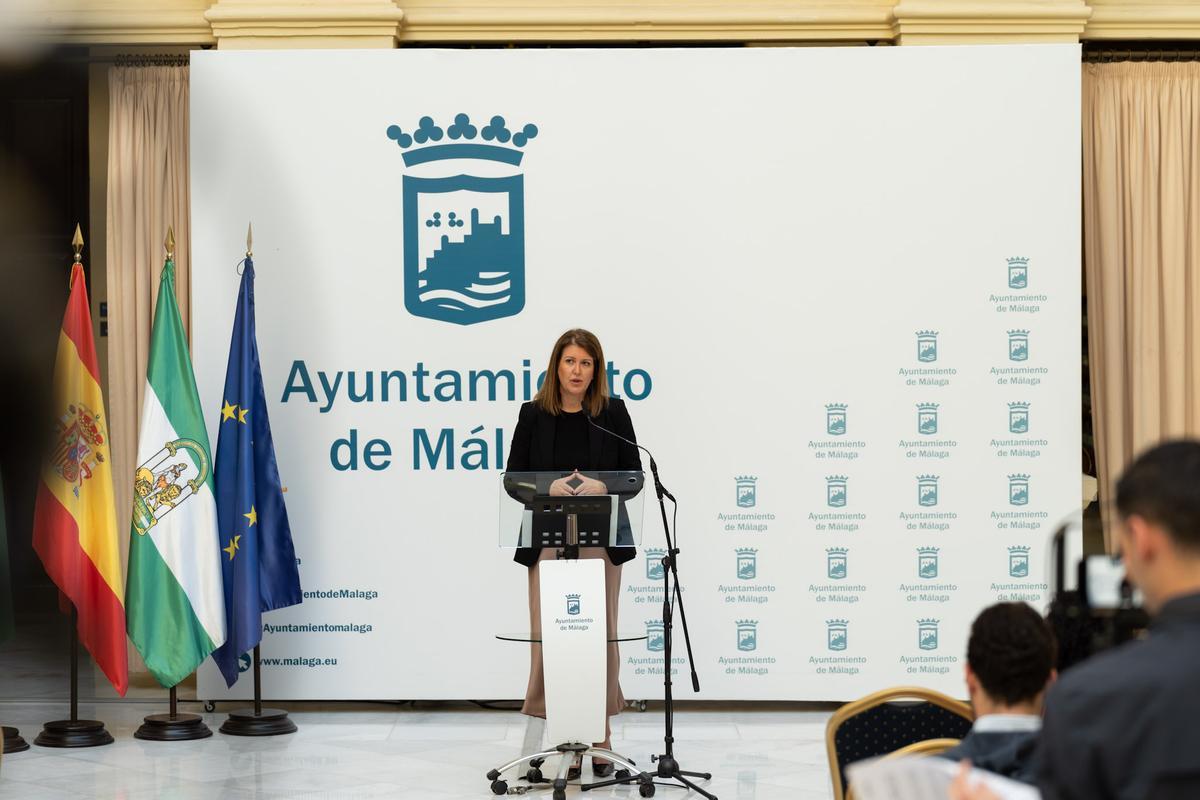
{"points": [[532, 450], [1012, 754], [1125, 724]]}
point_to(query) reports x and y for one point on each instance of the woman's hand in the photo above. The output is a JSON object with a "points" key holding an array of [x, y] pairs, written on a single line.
{"points": [[577, 484], [560, 487], [589, 485]]}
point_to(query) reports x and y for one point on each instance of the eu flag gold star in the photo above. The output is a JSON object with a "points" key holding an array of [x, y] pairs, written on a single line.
{"points": [[233, 546], [228, 411], [242, 412], [252, 516]]}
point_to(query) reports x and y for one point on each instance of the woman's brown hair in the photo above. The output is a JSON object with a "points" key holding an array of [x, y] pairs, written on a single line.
{"points": [[595, 399]]}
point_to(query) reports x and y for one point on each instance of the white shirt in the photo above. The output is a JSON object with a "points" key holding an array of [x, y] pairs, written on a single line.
{"points": [[1007, 723]]}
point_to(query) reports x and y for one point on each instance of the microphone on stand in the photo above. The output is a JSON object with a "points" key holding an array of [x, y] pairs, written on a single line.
{"points": [[662, 490], [668, 765]]}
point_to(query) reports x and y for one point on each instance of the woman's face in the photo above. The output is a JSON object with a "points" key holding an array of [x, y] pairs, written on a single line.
{"points": [[575, 368]]}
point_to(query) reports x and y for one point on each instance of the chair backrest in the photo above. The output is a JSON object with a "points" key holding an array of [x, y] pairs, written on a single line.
{"points": [[887, 721], [926, 747]]}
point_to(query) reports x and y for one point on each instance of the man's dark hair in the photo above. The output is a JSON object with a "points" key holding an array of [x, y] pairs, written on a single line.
{"points": [[1163, 487], [1012, 651]]}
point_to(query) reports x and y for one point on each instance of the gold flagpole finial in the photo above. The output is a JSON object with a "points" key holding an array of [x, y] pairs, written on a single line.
{"points": [[170, 243], [77, 243], [249, 240]]}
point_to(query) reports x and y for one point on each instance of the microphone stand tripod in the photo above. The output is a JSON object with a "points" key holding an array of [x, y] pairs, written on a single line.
{"points": [[668, 766]]}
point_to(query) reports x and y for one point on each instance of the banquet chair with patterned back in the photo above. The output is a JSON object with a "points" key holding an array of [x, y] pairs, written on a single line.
{"points": [[888, 720]]}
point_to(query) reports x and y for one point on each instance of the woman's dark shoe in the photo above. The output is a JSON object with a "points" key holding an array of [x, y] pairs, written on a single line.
{"points": [[602, 769]]}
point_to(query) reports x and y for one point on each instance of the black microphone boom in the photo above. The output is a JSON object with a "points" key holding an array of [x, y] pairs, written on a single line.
{"points": [[659, 488]]}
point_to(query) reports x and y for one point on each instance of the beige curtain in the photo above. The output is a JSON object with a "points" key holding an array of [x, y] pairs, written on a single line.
{"points": [[1141, 224], [148, 192]]}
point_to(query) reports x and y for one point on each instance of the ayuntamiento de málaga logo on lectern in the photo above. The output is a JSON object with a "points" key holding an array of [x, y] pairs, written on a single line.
{"points": [[464, 234]]}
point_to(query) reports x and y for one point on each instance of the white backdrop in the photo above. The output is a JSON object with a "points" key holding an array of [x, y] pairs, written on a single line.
{"points": [[759, 237]]}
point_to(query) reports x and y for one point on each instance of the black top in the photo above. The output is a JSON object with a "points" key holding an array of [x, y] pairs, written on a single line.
{"points": [[571, 441], [1125, 725], [534, 449]]}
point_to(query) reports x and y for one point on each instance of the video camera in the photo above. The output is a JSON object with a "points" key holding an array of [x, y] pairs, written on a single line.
{"points": [[1103, 611]]}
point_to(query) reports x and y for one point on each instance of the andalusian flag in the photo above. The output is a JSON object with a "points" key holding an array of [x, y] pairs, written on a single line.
{"points": [[175, 599], [74, 522]]}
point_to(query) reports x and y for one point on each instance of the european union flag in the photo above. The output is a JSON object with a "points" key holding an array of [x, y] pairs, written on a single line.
{"points": [[258, 560]]}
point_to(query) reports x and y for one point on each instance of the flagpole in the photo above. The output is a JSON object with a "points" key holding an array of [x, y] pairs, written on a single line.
{"points": [[257, 683], [74, 664], [172, 726], [73, 732], [259, 721]]}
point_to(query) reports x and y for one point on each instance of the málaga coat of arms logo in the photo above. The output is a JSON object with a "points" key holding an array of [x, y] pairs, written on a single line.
{"points": [[464, 234]]}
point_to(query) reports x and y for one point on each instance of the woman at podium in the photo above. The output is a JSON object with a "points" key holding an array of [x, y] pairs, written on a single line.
{"points": [[553, 434]]}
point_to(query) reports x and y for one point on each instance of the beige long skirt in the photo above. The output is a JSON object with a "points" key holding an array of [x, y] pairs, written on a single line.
{"points": [[535, 693]]}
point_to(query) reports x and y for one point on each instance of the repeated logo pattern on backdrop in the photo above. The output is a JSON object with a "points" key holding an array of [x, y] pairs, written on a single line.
{"points": [[932, 579]]}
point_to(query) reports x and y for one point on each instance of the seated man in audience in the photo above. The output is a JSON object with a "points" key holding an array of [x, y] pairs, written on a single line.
{"points": [[1010, 663], [1125, 724]]}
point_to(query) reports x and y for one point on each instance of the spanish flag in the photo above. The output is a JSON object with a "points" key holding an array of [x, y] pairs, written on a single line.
{"points": [[75, 524]]}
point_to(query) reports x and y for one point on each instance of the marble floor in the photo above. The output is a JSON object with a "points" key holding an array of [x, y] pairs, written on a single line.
{"points": [[435, 751]]}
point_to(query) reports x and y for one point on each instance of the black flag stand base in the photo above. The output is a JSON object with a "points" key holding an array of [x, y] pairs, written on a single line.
{"points": [[173, 727], [264, 722], [13, 743], [73, 732], [258, 721]]}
